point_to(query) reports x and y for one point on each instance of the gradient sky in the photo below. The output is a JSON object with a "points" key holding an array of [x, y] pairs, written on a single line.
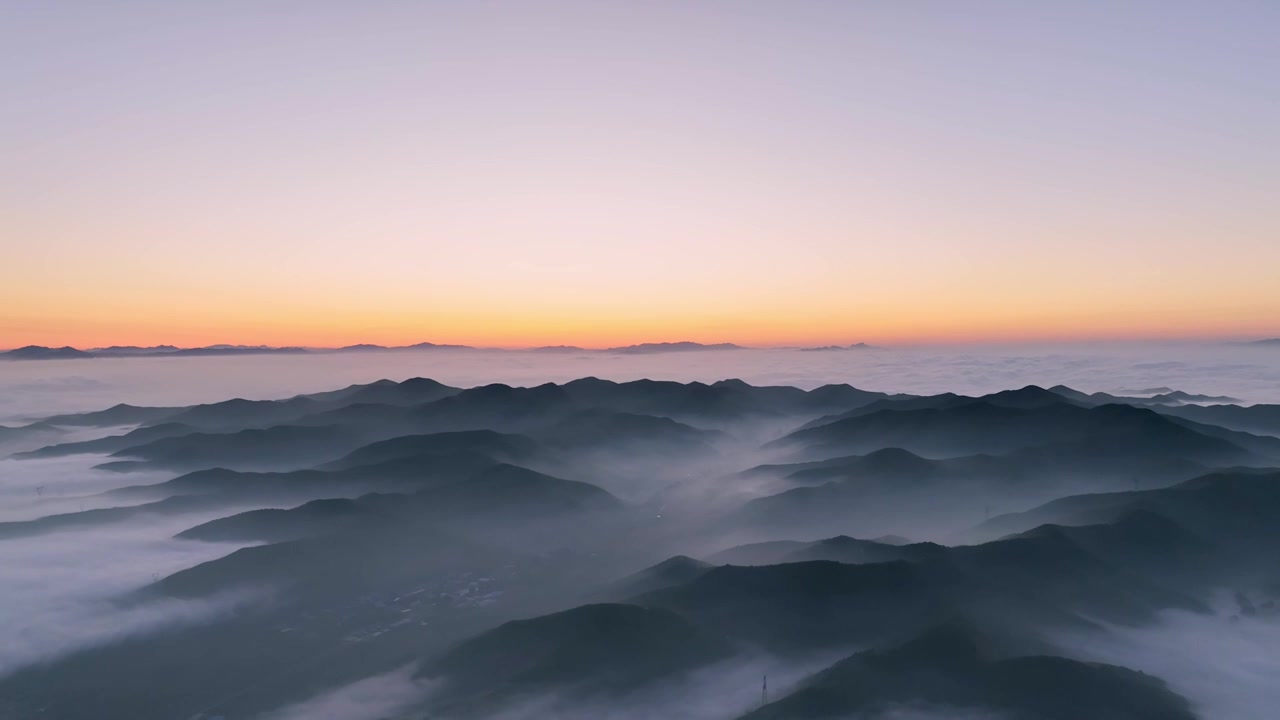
{"points": [[598, 173]]}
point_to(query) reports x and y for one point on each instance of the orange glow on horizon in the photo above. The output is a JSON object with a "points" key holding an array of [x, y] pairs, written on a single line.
{"points": [[778, 329]]}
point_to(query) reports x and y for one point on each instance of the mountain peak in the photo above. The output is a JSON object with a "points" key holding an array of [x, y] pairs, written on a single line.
{"points": [[662, 347], [1029, 396]]}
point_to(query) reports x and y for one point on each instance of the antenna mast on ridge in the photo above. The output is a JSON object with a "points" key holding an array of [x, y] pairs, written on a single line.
{"points": [[764, 691]]}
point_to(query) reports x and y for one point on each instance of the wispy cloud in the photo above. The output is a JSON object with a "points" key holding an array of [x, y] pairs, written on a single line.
{"points": [[60, 590], [372, 698]]}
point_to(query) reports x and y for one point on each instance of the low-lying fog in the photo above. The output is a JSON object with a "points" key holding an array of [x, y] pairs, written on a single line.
{"points": [[1226, 664], [59, 591], [723, 690]]}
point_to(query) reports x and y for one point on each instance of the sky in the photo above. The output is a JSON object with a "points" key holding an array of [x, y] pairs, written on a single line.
{"points": [[602, 173]]}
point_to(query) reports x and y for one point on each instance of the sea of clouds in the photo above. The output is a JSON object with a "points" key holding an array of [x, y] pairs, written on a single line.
{"points": [[1250, 373], [59, 590]]}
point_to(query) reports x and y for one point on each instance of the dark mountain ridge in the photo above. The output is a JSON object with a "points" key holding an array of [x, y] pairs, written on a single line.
{"points": [[953, 668], [984, 427], [39, 352], [410, 522], [497, 495], [580, 653]]}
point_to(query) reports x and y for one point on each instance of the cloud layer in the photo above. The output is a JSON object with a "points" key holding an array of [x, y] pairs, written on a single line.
{"points": [[1252, 374]]}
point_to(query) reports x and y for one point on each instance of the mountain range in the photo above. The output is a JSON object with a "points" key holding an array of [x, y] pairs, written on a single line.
{"points": [[39, 352], [570, 548]]}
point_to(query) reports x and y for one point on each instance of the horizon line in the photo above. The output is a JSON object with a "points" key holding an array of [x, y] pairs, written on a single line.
{"points": [[163, 349]]}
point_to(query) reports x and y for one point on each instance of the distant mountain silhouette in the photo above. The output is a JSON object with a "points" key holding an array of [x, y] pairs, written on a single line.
{"points": [[831, 348], [218, 351], [435, 346], [559, 349], [366, 347], [665, 347], [39, 352], [126, 350]]}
